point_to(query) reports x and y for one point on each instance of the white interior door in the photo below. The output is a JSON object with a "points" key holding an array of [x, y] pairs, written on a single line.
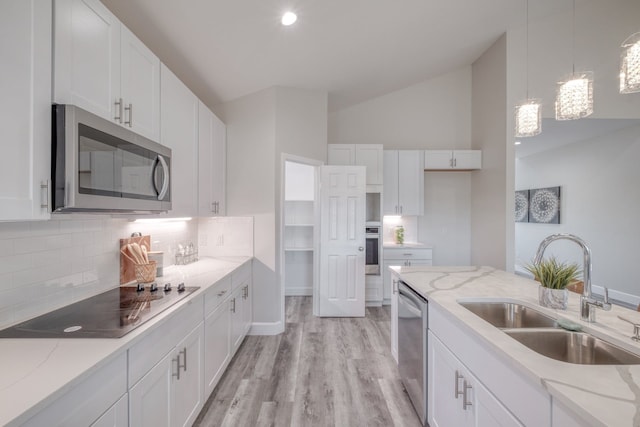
{"points": [[342, 241]]}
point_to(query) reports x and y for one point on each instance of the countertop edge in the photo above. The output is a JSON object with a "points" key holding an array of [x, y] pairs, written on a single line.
{"points": [[114, 345]]}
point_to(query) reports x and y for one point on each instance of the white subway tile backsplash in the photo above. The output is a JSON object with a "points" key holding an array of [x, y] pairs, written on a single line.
{"points": [[48, 264], [14, 263]]}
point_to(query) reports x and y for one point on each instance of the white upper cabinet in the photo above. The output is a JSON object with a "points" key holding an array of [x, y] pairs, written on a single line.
{"points": [[452, 159], [25, 113], [103, 68], [180, 133], [212, 143], [369, 155], [140, 86], [403, 183]]}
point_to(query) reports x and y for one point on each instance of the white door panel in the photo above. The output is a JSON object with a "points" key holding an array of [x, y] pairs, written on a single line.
{"points": [[342, 257]]}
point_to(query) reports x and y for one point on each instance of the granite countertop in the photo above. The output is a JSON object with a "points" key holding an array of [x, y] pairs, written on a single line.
{"points": [[35, 372], [602, 395]]}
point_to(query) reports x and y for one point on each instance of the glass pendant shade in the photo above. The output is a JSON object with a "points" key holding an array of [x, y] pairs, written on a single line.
{"points": [[630, 65], [528, 118], [574, 97]]}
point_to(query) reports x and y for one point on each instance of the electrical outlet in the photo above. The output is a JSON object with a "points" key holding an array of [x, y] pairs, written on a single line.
{"points": [[220, 240], [202, 240]]}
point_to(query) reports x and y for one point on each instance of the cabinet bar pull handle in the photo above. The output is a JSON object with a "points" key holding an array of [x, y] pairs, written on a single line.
{"points": [[44, 188], [177, 373], [130, 110], [184, 354], [222, 293], [233, 305], [465, 401], [118, 103], [457, 388]]}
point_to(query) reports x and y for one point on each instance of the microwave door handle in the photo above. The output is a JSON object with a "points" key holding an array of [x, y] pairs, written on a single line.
{"points": [[165, 183]]}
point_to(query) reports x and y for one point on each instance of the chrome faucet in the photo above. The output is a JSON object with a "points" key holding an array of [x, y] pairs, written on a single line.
{"points": [[587, 302]]}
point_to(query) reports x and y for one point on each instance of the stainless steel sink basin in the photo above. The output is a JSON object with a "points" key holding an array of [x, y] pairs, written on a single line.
{"points": [[573, 347], [509, 315]]}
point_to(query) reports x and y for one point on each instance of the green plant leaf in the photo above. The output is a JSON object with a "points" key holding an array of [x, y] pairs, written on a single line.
{"points": [[554, 274]]}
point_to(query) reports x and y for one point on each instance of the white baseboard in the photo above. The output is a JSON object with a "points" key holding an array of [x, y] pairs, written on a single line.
{"points": [[300, 291], [266, 328], [373, 304]]}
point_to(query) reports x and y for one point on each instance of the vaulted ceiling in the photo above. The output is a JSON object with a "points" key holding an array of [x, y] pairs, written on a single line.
{"points": [[353, 49]]}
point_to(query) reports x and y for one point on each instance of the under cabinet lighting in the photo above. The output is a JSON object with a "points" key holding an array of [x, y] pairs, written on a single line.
{"points": [[160, 220]]}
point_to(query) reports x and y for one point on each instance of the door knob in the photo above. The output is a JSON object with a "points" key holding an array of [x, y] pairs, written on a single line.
{"points": [[361, 249]]}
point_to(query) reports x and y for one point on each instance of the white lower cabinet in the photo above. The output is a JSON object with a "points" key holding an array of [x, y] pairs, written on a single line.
{"points": [[400, 256], [188, 382], [116, 416], [150, 398], [462, 369], [87, 401], [456, 397], [217, 346], [171, 393], [237, 325], [394, 314]]}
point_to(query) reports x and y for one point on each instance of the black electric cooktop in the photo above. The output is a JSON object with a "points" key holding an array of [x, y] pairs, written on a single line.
{"points": [[111, 314]]}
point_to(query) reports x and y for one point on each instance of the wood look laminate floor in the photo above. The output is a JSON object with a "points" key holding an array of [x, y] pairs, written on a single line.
{"points": [[319, 372]]}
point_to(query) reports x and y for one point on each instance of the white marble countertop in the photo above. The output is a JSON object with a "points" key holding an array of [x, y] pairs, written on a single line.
{"points": [[35, 372], [601, 395]]}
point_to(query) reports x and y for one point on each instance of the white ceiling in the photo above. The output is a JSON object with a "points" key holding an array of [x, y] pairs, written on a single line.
{"points": [[354, 49]]}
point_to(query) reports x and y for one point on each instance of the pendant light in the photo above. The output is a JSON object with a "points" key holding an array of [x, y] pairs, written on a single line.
{"points": [[630, 65], [574, 95], [529, 112]]}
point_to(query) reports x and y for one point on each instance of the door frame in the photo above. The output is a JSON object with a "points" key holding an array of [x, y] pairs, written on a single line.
{"points": [[285, 157]]}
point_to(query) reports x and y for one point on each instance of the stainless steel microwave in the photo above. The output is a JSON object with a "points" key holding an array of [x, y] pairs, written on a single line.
{"points": [[99, 166]]}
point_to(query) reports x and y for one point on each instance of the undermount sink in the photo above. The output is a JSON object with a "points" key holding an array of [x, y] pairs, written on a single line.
{"points": [[573, 347], [509, 315]]}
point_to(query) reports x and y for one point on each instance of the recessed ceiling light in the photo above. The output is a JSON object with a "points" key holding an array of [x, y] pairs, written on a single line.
{"points": [[289, 18], [517, 143]]}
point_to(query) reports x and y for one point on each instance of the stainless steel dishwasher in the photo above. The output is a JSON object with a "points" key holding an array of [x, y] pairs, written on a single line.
{"points": [[412, 347]]}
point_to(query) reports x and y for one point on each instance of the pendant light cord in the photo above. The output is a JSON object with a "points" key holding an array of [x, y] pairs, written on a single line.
{"points": [[573, 40], [526, 71]]}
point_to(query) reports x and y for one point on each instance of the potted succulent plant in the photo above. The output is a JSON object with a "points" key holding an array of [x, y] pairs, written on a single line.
{"points": [[554, 277]]}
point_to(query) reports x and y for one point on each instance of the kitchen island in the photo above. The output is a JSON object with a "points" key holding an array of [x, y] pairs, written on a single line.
{"points": [[39, 375], [528, 385]]}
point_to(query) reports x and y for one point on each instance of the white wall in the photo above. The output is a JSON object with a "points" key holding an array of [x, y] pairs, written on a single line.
{"points": [[489, 203], [251, 191], [225, 236], [599, 202], [434, 114], [260, 127], [45, 265], [601, 27]]}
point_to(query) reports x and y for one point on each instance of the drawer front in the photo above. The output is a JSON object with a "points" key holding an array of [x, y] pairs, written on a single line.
{"points": [[241, 276], [407, 253], [86, 402], [216, 294], [146, 353]]}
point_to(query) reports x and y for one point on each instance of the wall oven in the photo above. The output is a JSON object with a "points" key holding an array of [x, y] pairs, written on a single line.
{"points": [[372, 250], [99, 166]]}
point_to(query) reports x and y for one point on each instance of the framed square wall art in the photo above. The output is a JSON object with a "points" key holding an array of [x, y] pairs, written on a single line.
{"points": [[544, 205], [522, 206]]}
